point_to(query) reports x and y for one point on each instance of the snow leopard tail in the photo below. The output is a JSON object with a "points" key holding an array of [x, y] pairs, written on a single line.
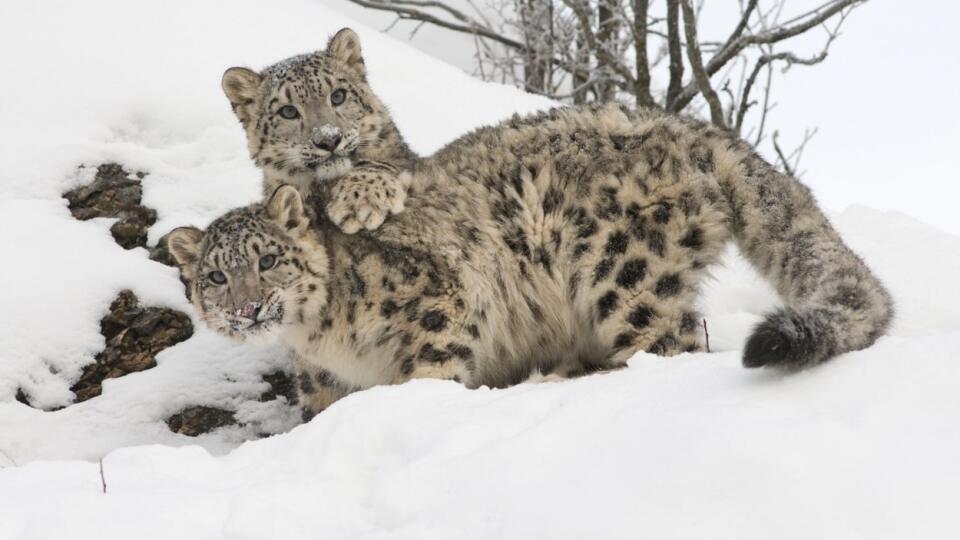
{"points": [[833, 302]]}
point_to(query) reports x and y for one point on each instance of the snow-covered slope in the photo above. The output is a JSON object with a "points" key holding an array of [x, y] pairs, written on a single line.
{"points": [[687, 447], [139, 83]]}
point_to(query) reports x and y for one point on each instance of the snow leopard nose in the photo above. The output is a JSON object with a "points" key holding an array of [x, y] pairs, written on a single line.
{"points": [[326, 137]]}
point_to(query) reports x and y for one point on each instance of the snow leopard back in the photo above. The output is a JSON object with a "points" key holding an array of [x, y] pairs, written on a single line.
{"points": [[589, 232]]}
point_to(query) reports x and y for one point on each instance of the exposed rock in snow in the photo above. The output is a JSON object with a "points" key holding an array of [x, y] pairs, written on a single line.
{"points": [[194, 421], [134, 335], [115, 193]]}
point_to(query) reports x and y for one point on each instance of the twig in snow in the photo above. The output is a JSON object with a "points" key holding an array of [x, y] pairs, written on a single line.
{"points": [[103, 481], [706, 334]]}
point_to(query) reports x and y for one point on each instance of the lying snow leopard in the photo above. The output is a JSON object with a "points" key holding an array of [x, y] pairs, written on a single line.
{"points": [[313, 118], [564, 242]]}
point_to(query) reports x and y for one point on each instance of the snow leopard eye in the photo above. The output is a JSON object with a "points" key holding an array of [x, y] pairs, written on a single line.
{"points": [[338, 96], [289, 112], [267, 262], [217, 277]]}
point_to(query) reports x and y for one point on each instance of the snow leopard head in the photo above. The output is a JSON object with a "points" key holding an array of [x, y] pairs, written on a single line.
{"points": [[312, 114], [254, 269]]}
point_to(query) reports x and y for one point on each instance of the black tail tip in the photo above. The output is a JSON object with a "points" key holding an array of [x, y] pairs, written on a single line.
{"points": [[786, 339]]}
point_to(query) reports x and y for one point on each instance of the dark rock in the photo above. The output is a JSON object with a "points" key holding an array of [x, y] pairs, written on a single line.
{"points": [[21, 397], [113, 194], [134, 335], [198, 420], [281, 385]]}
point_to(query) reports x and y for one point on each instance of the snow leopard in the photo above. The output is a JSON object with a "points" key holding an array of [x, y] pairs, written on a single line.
{"points": [[313, 118], [563, 242]]}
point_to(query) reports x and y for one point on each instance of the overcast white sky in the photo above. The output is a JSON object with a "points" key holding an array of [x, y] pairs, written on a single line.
{"points": [[885, 102]]}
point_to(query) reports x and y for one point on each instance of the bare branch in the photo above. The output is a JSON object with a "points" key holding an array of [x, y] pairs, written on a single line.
{"points": [[728, 116], [797, 154], [676, 55], [457, 14], [642, 86], [741, 26], [404, 12], [766, 105], [745, 102], [480, 13], [603, 55], [696, 64], [416, 29], [574, 91], [785, 160], [821, 15], [391, 25], [581, 50], [780, 156], [784, 31], [607, 31], [789, 58]]}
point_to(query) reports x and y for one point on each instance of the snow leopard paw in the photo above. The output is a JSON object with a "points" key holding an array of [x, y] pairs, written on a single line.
{"points": [[363, 200]]}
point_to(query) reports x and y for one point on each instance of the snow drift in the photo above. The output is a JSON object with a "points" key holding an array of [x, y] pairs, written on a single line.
{"points": [[690, 446]]}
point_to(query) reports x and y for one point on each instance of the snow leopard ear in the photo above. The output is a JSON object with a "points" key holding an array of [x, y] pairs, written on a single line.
{"points": [[240, 85], [344, 47], [184, 244], [285, 208]]}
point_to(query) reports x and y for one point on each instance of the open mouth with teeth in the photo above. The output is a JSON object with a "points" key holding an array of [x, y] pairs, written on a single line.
{"points": [[253, 321]]}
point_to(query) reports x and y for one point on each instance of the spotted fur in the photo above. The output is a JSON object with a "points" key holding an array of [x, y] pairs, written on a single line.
{"points": [[560, 243]]}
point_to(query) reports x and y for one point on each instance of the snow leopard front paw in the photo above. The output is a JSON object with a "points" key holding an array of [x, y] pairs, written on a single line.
{"points": [[364, 200]]}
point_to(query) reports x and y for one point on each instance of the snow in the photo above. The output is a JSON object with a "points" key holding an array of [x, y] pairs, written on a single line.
{"points": [[691, 446]]}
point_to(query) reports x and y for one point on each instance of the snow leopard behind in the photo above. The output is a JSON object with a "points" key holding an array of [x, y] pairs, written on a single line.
{"points": [[313, 120], [563, 242]]}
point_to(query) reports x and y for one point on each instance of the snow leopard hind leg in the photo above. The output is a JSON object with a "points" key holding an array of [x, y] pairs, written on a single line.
{"points": [[642, 247]]}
